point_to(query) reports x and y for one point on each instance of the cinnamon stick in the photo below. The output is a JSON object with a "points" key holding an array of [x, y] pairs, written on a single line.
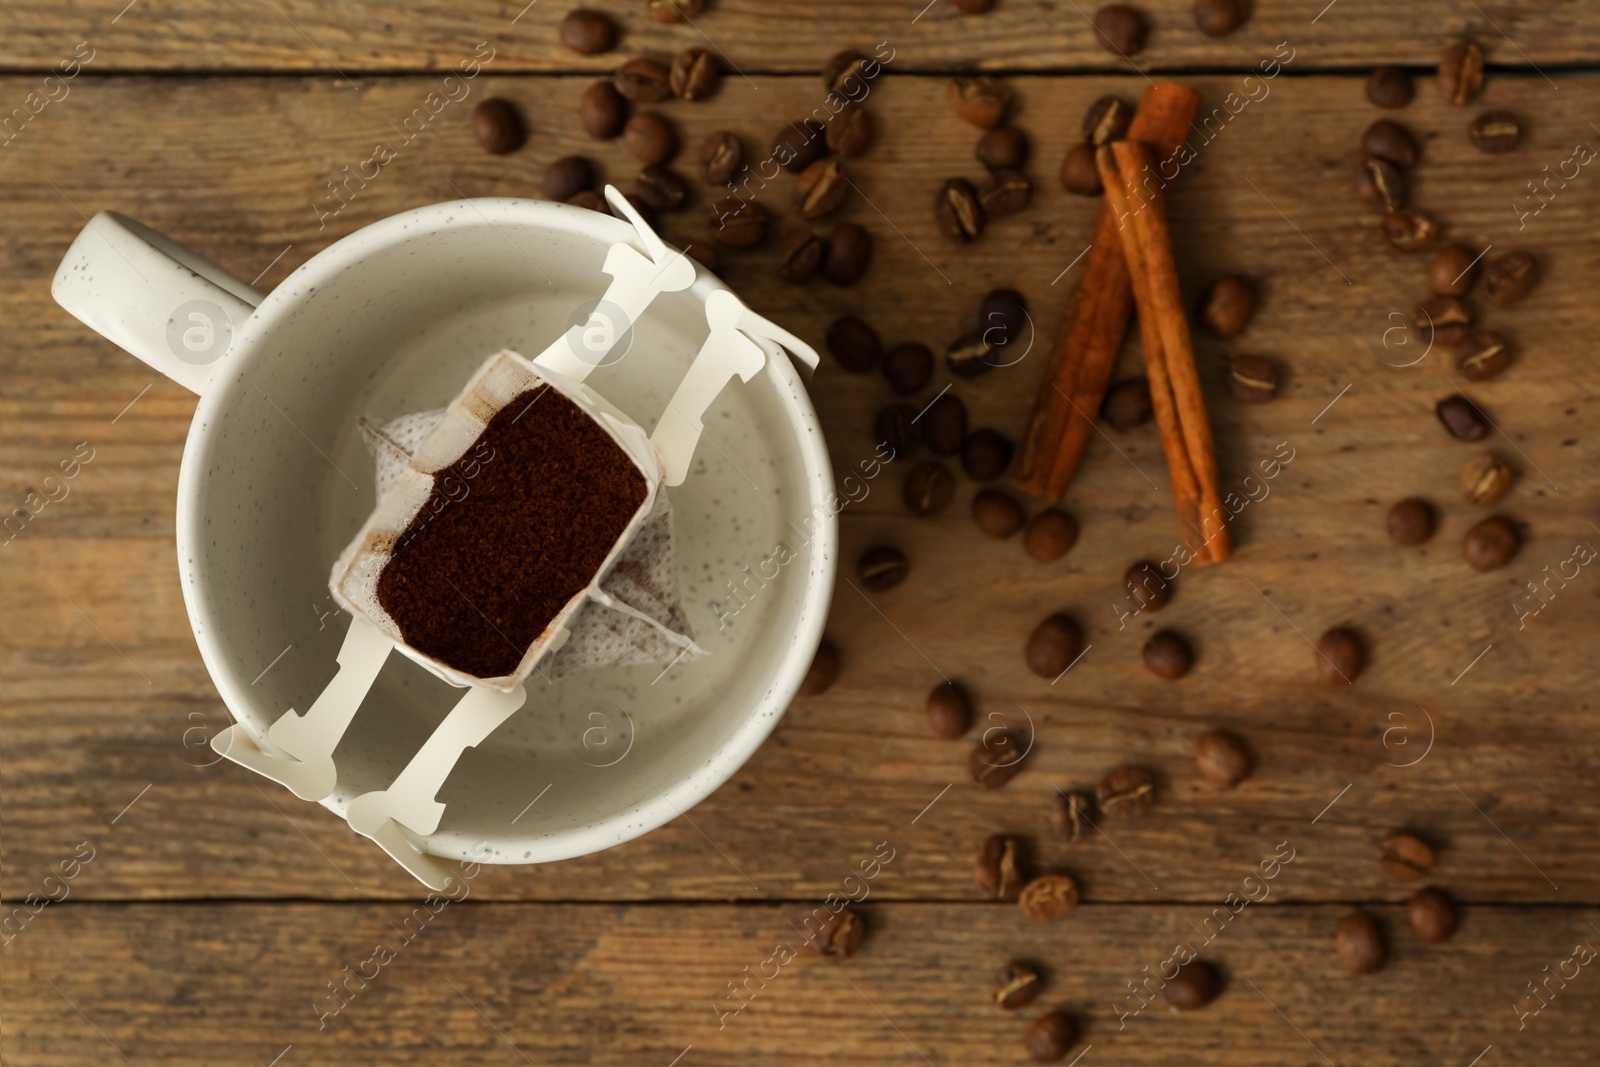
{"points": [[1086, 350]]}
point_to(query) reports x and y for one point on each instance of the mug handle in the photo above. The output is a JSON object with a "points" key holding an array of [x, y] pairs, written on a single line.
{"points": [[149, 295]]}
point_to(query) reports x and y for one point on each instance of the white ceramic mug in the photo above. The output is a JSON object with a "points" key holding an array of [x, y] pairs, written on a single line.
{"points": [[392, 319]]}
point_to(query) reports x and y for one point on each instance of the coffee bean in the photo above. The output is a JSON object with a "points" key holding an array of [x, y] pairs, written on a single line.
{"points": [[1107, 120], [850, 131], [721, 156], [908, 366], [1053, 646], [1222, 759], [1483, 355], [997, 514], [1168, 655], [1051, 535], [1003, 148], [1196, 984], [644, 81], [566, 177], [882, 568], [1252, 379], [1464, 419], [1359, 943], [949, 710], [1218, 18], [660, 189], [738, 223], [1228, 305], [694, 74], [1050, 1037], [985, 454], [929, 488], [1015, 986], [854, 344], [1340, 656], [997, 759], [1387, 139], [1002, 868], [498, 126], [847, 72], [1125, 792], [944, 425], [821, 188], [849, 254], [1445, 319], [1432, 914], [1005, 193], [1003, 317], [702, 252], [1491, 543], [822, 672], [799, 144], [1079, 175], [841, 936], [1454, 271], [588, 198], [979, 100], [1405, 856], [1409, 230], [1410, 522], [958, 211], [602, 110], [586, 32], [1485, 479], [1068, 814], [1495, 132], [1146, 587], [1127, 404], [800, 255], [1381, 183], [651, 137], [1120, 29], [1461, 73], [1510, 276], [669, 12], [1049, 896], [894, 427], [1390, 87], [970, 355]]}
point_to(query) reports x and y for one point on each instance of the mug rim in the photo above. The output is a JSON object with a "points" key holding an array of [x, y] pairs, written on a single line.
{"points": [[816, 473]]}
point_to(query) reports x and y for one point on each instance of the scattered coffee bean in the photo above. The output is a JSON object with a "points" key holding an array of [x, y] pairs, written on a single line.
{"points": [[643, 80], [1405, 856], [702, 252], [1005, 193], [849, 254], [1495, 132], [1003, 148], [1218, 18], [958, 211], [1196, 984], [799, 144], [1390, 87], [1107, 120], [1146, 587], [1002, 869], [660, 189], [669, 12], [800, 256], [850, 131], [1051, 535], [970, 355], [1485, 479], [651, 137], [694, 74], [1359, 943], [1410, 522], [1491, 543], [1464, 419], [1483, 355], [1049, 896], [588, 198], [1387, 139], [841, 936], [738, 223], [1068, 814], [1510, 276], [979, 100], [985, 454], [498, 126], [908, 366], [949, 710], [1079, 175], [566, 177], [997, 514], [894, 427], [1125, 792], [854, 344], [1120, 29], [586, 32], [997, 759], [602, 110], [1432, 914], [1461, 73], [1050, 1037], [929, 488], [822, 672], [1015, 986], [1381, 183], [1228, 305], [882, 568], [1252, 379], [1054, 645], [1003, 317], [1222, 758], [1340, 656], [1127, 404], [847, 72], [721, 156], [821, 188], [1454, 271], [1168, 655], [1445, 319], [1409, 230], [944, 425]]}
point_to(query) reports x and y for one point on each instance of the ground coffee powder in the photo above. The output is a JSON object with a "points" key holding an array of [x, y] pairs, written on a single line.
{"points": [[476, 578]]}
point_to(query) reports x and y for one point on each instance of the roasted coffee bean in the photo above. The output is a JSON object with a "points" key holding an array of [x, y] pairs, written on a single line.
{"points": [[929, 488], [894, 427], [1409, 230], [1461, 73], [643, 80], [800, 255], [1432, 914], [1120, 29], [1218, 18], [1050, 1037], [1003, 148], [1127, 404], [1015, 986], [1387, 139], [1049, 896], [850, 131], [1390, 87], [821, 188], [1410, 522], [660, 189], [958, 211], [1340, 656], [849, 254], [1445, 319], [985, 454], [1252, 379], [1002, 868], [944, 425], [1168, 655], [1107, 120], [841, 936], [1228, 305], [908, 366], [1222, 759], [1053, 646], [1051, 535], [702, 252], [1359, 943], [738, 223], [1454, 271], [848, 72], [1405, 856], [586, 32], [1491, 543], [1495, 132], [1079, 175], [1483, 355], [1125, 792], [997, 759], [1485, 479], [498, 126], [1069, 812], [1510, 276], [651, 137], [979, 100], [949, 710], [566, 177], [721, 156], [1147, 589], [694, 74], [882, 568], [854, 344], [588, 198], [1005, 193], [1381, 183], [1196, 984], [970, 355], [602, 110], [669, 12], [799, 144], [1464, 419], [1003, 317], [822, 672], [997, 514]]}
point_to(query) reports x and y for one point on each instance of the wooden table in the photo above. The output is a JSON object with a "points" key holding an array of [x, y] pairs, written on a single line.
{"points": [[216, 910]]}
